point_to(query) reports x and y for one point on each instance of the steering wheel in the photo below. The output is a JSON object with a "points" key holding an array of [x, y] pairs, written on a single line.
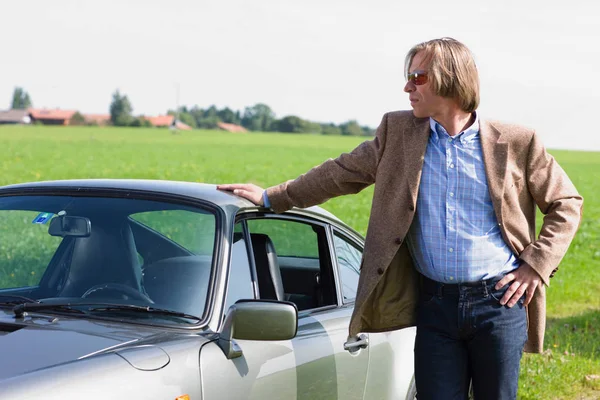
{"points": [[120, 288]]}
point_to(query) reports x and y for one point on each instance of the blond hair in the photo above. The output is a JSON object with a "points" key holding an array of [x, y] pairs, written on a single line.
{"points": [[452, 70]]}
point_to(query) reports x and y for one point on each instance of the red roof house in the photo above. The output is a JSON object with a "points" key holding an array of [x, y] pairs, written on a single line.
{"points": [[51, 117], [167, 120], [161, 120]]}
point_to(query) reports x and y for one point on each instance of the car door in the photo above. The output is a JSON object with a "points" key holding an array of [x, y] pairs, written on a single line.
{"points": [[310, 280], [390, 353], [313, 365]]}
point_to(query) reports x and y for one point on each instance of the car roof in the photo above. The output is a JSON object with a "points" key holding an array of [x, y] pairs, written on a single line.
{"points": [[201, 191], [189, 189]]}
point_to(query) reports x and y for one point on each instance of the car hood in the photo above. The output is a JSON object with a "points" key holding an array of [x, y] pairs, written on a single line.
{"points": [[39, 341]]}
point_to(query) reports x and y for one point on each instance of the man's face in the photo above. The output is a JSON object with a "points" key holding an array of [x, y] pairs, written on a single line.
{"points": [[424, 102]]}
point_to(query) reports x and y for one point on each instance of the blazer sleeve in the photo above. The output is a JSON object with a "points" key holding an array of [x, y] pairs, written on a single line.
{"points": [[349, 173], [561, 204]]}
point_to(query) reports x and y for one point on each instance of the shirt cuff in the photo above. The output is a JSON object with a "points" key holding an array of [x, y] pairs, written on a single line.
{"points": [[266, 202]]}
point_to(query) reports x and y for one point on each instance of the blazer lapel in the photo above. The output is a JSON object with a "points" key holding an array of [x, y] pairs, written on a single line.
{"points": [[495, 155], [415, 144]]}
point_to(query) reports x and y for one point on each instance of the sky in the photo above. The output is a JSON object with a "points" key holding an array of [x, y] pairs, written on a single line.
{"points": [[322, 60]]}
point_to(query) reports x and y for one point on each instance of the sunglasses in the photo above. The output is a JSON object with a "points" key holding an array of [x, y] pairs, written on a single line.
{"points": [[417, 77]]}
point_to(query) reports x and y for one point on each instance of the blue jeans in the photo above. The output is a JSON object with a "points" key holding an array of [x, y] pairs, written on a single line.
{"points": [[464, 335]]}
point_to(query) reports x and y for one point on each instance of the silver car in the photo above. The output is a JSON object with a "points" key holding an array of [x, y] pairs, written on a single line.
{"points": [[144, 289]]}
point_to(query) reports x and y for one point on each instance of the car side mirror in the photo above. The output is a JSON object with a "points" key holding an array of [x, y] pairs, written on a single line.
{"points": [[67, 225], [257, 320]]}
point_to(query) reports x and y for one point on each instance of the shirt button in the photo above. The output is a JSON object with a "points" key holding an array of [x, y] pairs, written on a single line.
{"points": [[450, 249], [451, 278], [398, 240], [451, 194], [380, 271], [451, 165]]}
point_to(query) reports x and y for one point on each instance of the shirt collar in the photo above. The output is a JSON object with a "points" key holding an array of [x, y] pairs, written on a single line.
{"points": [[438, 132]]}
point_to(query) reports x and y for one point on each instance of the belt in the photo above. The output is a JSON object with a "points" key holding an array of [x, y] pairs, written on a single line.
{"points": [[440, 289]]}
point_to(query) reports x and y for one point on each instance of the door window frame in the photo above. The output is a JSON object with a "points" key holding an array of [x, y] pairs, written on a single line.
{"points": [[327, 228], [352, 239], [250, 263]]}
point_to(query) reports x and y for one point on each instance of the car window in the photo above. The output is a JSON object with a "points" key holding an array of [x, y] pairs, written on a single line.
{"points": [[348, 257], [292, 262], [191, 230], [26, 248], [290, 238], [87, 248], [240, 280]]}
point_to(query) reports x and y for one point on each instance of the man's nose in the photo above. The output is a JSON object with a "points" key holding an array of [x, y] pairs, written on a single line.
{"points": [[409, 87]]}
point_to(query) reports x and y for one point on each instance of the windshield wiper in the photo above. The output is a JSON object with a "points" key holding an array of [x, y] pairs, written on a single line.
{"points": [[146, 309], [20, 309], [16, 299]]}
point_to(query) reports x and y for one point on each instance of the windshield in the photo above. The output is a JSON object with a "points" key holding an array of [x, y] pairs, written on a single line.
{"points": [[61, 249]]}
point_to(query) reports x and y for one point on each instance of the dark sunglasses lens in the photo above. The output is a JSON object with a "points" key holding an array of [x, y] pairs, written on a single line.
{"points": [[420, 78], [417, 78]]}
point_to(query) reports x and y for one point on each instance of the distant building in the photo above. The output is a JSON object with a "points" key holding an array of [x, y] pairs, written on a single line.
{"points": [[168, 121], [161, 120], [182, 127], [231, 127], [51, 117], [14, 117], [97, 119]]}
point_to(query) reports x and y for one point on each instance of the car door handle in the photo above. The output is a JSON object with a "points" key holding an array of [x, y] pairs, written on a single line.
{"points": [[355, 343]]}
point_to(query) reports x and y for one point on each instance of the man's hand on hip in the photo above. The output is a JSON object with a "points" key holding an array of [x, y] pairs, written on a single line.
{"points": [[247, 190], [525, 281]]}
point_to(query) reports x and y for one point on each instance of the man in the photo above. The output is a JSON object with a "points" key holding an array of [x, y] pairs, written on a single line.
{"points": [[450, 245]]}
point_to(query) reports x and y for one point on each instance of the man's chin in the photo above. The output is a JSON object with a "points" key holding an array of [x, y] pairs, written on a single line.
{"points": [[418, 114]]}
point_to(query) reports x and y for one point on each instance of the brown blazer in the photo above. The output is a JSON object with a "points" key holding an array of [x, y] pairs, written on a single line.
{"points": [[520, 175]]}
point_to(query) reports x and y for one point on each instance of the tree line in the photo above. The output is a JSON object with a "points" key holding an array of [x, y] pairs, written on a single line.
{"points": [[259, 117]]}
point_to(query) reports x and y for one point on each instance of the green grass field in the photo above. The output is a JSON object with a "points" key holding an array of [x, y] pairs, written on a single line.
{"points": [[567, 370]]}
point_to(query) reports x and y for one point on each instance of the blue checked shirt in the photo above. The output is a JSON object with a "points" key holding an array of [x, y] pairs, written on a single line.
{"points": [[455, 235]]}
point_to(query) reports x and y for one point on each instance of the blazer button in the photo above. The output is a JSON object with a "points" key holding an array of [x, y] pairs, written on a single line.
{"points": [[380, 271], [411, 207], [398, 240]]}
